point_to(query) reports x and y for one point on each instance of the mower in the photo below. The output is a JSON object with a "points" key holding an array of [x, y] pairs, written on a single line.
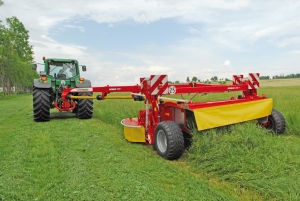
{"points": [[167, 122]]}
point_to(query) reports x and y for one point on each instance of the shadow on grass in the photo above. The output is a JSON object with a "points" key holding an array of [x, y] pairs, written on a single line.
{"points": [[62, 115]]}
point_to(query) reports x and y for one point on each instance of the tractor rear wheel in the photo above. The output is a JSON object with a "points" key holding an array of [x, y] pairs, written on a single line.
{"points": [[84, 108], [41, 104], [276, 122], [169, 140]]}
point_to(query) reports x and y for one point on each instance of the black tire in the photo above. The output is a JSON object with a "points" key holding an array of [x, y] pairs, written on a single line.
{"points": [[188, 140], [276, 122], [41, 104], [169, 140], [190, 121], [84, 106], [192, 126]]}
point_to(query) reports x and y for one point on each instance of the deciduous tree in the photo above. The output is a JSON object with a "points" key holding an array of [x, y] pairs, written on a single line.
{"points": [[16, 56]]}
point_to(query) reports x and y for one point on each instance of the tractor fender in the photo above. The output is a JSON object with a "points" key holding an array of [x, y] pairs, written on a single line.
{"points": [[86, 83], [39, 84]]}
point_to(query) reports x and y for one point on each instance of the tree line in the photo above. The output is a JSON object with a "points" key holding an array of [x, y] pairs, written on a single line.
{"points": [[207, 81], [224, 80], [282, 76], [16, 57]]}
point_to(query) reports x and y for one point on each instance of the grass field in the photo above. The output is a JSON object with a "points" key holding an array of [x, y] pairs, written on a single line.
{"points": [[72, 159], [280, 82]]}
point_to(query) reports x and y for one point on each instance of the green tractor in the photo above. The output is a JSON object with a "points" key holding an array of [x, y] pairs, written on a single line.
{"points": [[59, 74]]}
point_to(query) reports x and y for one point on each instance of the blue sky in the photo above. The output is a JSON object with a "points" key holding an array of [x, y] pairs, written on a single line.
{"points": [[121, 41]]}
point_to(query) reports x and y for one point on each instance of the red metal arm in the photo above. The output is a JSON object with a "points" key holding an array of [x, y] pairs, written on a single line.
{"points": [[108, 89]]}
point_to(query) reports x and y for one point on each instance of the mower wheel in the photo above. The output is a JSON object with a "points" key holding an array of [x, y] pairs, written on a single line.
{"points": [[41, 104], [84, 106], [276, 122], [169, 140]]}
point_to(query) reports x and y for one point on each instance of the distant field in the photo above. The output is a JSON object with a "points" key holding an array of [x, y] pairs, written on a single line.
{"points": [[280, 82]]}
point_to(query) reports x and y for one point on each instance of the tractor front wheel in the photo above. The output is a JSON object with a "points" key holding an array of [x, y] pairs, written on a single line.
{"points": [[84, 108], [41, 104], [276, 122], [169, 140]]}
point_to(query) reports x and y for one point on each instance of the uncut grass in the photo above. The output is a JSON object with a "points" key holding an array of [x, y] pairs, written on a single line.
{"points": [[71, 159], [251, 158]]}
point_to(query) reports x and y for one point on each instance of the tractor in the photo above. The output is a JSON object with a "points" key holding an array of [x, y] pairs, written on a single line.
{"points": [[60, 74]]}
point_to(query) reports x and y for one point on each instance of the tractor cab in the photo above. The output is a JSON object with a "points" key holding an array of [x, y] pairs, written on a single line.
{"points": [[62, 70], [56, 70]]}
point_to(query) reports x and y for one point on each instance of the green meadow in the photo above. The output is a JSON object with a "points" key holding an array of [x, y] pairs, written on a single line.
{"points": [[71, 159]]}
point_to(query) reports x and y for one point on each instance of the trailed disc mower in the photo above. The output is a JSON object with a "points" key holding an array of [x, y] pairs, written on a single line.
{"points": [[168, 122]]}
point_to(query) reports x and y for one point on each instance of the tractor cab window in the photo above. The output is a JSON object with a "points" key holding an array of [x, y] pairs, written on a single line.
{"points": [[62, 70]]}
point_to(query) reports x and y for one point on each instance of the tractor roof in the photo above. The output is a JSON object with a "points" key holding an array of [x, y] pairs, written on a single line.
{"points": [[62, 60]]}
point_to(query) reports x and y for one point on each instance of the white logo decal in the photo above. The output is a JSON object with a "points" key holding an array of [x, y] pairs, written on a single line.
{"points": [[172, 90]]}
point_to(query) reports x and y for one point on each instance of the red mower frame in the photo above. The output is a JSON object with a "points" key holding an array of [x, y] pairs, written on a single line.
{"points": [[168, 122]]}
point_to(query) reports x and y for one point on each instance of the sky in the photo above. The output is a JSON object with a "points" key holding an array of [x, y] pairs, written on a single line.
{"points": [[121, 41]]}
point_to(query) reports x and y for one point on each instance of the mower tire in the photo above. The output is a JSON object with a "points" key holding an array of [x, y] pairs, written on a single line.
{"points": [[41, 104], [276, 122], [169, 140]]}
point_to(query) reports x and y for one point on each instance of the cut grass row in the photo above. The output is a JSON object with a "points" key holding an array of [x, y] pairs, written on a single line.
{"points": [[72, 159]]}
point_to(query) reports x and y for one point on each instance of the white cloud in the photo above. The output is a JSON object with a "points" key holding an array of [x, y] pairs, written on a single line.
{"points": [[295, 52], [289, 41], [193, 30], [226, 63], [76, 27], [274, 32]]}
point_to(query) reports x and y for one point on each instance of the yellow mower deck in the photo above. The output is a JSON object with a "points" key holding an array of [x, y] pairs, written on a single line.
{"points": [[212, 117], [133, 132]]}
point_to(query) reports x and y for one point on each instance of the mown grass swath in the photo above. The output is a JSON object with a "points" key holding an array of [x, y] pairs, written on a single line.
{"points": [[72, 159], [68, 158]]}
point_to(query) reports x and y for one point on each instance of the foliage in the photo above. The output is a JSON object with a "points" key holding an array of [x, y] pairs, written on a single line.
{"points": [[16, 56], [214, 79], [264, 77], [297, 75]]}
